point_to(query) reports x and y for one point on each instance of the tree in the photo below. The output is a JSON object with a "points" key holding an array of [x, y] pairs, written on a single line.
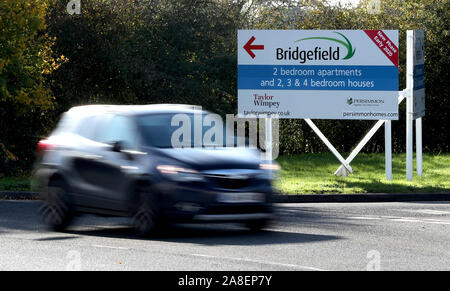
{"points": [[25, 57], [146, 52]]}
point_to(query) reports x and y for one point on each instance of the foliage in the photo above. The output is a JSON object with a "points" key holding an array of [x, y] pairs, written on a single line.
{"points": [[25, 56], [139, 52]]}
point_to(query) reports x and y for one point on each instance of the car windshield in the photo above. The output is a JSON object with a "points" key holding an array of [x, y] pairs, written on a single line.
{"points": [[174, 130]]}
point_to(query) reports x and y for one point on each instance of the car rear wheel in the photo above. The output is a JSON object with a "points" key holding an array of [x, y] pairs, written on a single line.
{"points": [[55, 212]]}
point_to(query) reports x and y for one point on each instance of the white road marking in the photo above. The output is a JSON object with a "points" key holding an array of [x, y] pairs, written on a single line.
{"points": [[439, 222], [407, 220], [403, 219], [426, 211], [365, 217], [110, 247], [259, 262]]}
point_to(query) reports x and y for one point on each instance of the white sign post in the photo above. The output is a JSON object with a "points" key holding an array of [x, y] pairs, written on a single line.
{"points": [[321, 74], [419, 93], [415, 106]]}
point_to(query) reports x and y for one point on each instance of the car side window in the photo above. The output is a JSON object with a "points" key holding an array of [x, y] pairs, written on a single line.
{"points": [[87, 127], [122, 129]]}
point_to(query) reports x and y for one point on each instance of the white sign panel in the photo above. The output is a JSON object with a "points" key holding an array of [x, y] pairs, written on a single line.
{"points": [[319, 74], [419, 75]]}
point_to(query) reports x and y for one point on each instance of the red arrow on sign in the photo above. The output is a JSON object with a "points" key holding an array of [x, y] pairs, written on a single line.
{"points": [[249, 47]]}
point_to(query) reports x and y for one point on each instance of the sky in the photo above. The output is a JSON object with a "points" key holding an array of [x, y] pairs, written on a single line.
{"points": [[353, 2]]}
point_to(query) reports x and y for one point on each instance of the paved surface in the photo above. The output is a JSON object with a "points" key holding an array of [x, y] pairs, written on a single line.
{"points": [[326, 236]]}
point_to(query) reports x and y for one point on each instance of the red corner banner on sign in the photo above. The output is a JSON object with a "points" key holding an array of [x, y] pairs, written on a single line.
{"points": [[383, 42]]}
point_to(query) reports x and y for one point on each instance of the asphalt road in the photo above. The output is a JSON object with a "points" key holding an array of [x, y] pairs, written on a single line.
{"points": [[326, 236]]}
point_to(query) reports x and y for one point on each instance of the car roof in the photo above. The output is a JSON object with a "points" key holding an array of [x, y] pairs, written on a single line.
{"points": [[134, 109]]}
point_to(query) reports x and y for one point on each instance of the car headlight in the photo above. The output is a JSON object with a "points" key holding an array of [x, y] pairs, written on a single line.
{"points": [[270, 170], [180, 174], [269, 166]]}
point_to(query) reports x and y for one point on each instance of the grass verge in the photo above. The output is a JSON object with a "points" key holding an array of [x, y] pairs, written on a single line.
{"points": [[15, 183], [313, 173]]}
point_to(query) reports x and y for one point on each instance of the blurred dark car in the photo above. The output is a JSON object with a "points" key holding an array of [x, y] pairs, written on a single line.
{"points": [[119, 161]]}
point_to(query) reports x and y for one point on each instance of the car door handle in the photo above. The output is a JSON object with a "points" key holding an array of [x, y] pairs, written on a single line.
{"points": [[92, 157]]}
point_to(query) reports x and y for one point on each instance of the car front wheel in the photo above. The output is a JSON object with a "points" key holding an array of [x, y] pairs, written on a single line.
{"points": [[146, 217], [256, 225]]}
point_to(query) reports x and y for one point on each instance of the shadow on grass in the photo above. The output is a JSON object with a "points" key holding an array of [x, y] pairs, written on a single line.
{"points": [[374, 186]]}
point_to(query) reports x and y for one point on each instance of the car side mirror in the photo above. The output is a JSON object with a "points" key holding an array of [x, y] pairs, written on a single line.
{"points": [[117, 146]]}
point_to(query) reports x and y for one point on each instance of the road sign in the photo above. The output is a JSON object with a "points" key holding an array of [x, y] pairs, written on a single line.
{"points": [[319, 74], [418, 75]]}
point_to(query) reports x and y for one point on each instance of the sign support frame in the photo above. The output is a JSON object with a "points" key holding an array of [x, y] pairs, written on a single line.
{"points": [[416, 41], [419, 161], [341, 170], [329, 145], [388, 149]]}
